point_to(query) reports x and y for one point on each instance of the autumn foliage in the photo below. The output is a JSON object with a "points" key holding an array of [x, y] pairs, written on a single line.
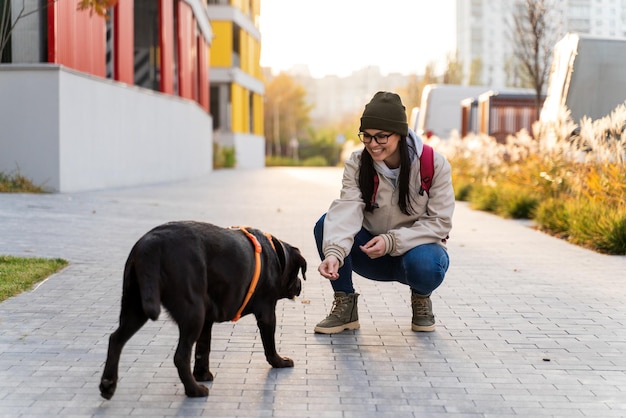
{"points": [[100, 7]]}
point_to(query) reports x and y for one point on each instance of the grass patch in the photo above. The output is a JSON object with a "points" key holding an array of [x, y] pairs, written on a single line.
{"points": [[18, 274], [317, 161], [17, 183]]}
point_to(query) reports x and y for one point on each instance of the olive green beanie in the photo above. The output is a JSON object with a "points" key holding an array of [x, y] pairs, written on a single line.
{"points": [[385, 112]]}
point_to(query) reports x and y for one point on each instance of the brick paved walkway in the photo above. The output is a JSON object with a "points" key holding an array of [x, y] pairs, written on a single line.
{"points": [[527, 325]]}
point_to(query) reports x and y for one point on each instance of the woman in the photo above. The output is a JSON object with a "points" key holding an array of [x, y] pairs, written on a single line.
{"points": [[384, 226]]}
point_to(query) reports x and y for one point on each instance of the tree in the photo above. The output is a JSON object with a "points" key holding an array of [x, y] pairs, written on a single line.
{"points": [[454, 70], [8, 23], [101, 7], [286, 114], [476, 72], [413, 92], [430, 77], [533, 40]]}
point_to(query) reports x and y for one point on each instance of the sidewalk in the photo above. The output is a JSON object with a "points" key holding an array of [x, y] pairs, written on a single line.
{"points": [[527, 325]]}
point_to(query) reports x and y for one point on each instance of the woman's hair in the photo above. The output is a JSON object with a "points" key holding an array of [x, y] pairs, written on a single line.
{"points": [[367, 173]]}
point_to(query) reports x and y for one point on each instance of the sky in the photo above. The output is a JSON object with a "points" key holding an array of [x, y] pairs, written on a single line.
{"points": [[337, 37]]}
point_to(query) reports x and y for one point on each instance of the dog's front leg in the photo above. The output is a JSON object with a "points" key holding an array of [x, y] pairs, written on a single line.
{"points": [[201, 370], [267, 327]]}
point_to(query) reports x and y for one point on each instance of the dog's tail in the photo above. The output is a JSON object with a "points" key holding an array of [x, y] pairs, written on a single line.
{"points": [[146, 276]]}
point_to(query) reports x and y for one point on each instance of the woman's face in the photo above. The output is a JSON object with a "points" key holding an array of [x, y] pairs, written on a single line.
{"points": [[388, 151]]}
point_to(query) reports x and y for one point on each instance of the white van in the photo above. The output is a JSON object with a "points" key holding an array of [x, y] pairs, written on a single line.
{"points": [[440, 110]]}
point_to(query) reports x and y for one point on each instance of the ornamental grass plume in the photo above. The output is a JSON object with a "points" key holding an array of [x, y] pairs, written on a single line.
{"points": [[570, 179]]}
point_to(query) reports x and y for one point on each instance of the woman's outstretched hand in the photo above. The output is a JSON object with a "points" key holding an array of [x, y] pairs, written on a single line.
{"points": [[329, 268]]}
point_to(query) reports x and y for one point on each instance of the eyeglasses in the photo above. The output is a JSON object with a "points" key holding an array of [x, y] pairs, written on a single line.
{"points": [[381, 139]]}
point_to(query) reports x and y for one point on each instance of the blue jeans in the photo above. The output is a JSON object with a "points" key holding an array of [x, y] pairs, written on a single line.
{"points": [[423, 268]]}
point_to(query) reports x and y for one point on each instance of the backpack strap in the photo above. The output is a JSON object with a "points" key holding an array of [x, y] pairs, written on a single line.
{"points": [[427, 168], [373, 200]]}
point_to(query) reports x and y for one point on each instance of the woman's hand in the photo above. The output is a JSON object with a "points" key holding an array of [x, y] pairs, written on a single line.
{"points": [[329, 268], [375, 247]]}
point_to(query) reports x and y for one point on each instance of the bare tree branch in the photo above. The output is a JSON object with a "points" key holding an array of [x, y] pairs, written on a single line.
{"points": [[534, 35], [100, 7], [6, 27]]}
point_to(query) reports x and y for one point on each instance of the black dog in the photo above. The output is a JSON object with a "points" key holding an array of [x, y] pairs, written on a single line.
{"points": [[202, 274]]}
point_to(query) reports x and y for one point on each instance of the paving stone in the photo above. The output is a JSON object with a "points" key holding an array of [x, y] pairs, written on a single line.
{"points": [[527, 324]]}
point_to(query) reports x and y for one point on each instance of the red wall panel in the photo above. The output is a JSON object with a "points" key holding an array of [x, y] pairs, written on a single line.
{"points": [[123, 42], [203, 73], [187, 82], [166, 45], [76, 39]]}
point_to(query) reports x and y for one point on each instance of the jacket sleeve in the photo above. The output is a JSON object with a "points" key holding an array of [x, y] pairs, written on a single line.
{"points": [[344, 218], [435, 223]]}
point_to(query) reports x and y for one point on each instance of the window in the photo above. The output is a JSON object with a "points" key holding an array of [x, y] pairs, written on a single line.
{"points": [[147, 66]]}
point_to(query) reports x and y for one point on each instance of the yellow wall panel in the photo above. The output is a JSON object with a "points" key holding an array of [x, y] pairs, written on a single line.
{"points": [[257, 103], [250, 55], [222, 46], [256, 8], [240, 109], [256, 48], [243, 48]]}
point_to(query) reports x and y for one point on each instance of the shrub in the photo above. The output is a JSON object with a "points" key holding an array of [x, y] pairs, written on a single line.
{"points": [[223, 157], [571, 180], [462, 191], [484, 198], [594, 225], [552, 216], [517, 204], [278, 161], [318, 161]]}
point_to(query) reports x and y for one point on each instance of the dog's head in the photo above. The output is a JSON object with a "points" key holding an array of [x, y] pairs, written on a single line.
{"points": [[292, 263]]}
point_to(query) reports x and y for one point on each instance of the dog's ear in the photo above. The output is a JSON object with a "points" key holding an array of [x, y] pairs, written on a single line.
{"points": [[285, 252], [302, 263], [280, 251]]}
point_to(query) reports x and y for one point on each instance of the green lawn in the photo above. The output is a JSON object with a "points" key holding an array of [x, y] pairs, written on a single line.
{"points": [[18, 274]]}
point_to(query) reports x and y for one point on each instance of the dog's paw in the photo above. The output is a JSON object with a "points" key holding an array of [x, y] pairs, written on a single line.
{"points": [[281, 362], [203, 376], [197, 391], [107, 388]]}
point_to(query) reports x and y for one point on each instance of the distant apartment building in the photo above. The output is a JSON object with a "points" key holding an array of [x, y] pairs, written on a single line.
{"points": [[484, 30], [334, 98], [236, 81]]}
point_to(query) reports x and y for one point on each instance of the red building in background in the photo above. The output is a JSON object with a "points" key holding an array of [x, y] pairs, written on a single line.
{"points": [[91, 103], [158, 44]]}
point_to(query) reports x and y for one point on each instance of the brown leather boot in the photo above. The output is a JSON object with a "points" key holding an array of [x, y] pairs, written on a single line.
{"points": [[343, 315], [423, 318]]}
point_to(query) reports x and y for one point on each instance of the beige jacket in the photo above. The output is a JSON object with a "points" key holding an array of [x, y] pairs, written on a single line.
{"points": [[431, 222]]}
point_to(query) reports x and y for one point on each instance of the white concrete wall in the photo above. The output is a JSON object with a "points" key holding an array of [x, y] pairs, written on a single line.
{"points": [[72, 132], [249, 151]]}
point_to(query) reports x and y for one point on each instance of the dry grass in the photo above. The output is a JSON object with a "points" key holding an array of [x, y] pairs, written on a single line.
{"points": [[17, 183], [570, 179]]}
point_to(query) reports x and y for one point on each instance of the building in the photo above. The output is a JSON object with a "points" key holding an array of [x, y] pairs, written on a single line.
{"points": [[336, 98], [484, 30], [236, 82], [88, 103]]}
